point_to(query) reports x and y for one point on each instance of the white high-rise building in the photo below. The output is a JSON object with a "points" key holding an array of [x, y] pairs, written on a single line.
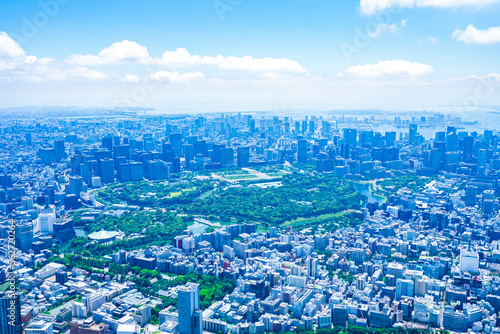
{"points": [[495, 245], [94, 300], [469, 261], [46, 220], [188, 245], [78, 310], [404, 287]]}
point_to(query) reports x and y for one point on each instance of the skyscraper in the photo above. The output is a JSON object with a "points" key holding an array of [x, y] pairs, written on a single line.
{"points": [[468, 147], [176, 142], [107, 143], [10, 313], [24, 236], [404, 287], [243, 156], [75, 185], [470, 195], [452, 142], [312, 267], [413, 132], [106, 170], [60, 150], [188, 304], [350, 137], [302, 150]]}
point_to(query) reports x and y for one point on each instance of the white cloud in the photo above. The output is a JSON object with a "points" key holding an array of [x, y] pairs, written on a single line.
{"points": [[267, 64], [428, 40], [394, 67], [477, 36], [13, 57], [15, 65], [177, 77], [117, 53], [15, 62], [131, 52], [490, 76], [271, 76], [131, 78], [370, 7], [9, 48], [181, 57], [383, 28], [76, 73]]}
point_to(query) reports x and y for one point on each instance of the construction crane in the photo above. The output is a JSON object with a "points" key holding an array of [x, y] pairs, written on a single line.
{"points": [[65, 214]]}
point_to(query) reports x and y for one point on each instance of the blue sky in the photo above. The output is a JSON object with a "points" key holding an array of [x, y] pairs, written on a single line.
{"points": [[247, 54]]}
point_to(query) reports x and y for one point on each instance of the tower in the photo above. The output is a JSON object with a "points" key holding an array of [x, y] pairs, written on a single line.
{"points": [[312, 267], [10, 313], [413, 132], [302, 150], [188, 304]]}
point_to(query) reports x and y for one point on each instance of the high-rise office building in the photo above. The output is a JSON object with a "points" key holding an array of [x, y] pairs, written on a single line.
{"points": [[312, 267], [46, 219], [350, 137], [469, 260], [226, 155], [123, 172], [404, 287], [60, 150], [302, 150], [243, 156], [188, 305], [75, 185], [168, 152], [5, 181], [107, 143], [468, 147], [106, 170], [312, 128], [136, 171], [10, 313], [176, 142], [189, 153], [344, 150], [122, 151], [470, 195], [413, 133], [390, 138], [452, 142], [24, 236]]}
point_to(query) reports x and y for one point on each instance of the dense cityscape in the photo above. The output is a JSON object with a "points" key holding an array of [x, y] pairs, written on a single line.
{"points": [[248, 223]]}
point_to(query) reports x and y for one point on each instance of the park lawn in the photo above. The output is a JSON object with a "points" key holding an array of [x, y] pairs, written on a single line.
{"points": [[317, 219], [241, 177], [4, 286], [174, 194]]}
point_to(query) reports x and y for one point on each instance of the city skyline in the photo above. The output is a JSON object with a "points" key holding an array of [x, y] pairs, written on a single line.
{"points": [[251, 55], [237, 223]]}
